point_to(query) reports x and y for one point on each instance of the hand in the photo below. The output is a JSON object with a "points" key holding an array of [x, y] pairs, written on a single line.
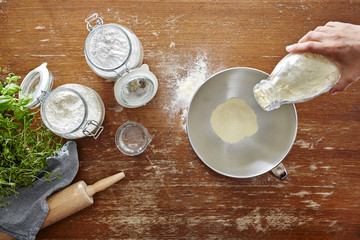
{"points": [[340, 42]]}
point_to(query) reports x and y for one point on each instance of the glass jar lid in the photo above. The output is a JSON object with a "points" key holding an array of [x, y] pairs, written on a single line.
{"points": [[37, 83], [107, 46], [136, 88]]}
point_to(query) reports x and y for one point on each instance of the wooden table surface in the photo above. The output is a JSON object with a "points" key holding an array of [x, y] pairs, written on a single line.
{"points": [[168, 192]]}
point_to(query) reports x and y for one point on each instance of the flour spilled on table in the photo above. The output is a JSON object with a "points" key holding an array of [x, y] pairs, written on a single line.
{"points": [[273, 219], [187, 86]]}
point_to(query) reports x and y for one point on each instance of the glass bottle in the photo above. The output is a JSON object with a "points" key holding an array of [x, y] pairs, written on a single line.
{"points": [[296, 78]]}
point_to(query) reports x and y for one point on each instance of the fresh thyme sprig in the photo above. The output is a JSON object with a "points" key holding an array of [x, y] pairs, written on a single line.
{"points": [[24, 144]]}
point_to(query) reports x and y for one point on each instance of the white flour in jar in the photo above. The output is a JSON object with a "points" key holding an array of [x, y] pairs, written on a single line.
{"points": [[65, 110], [95, 105], [110, 47]]}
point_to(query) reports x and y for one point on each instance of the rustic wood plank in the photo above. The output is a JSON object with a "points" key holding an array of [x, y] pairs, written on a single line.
{"points": [[168, 193]]}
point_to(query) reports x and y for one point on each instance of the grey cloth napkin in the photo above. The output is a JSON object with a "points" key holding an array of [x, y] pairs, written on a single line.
{"points": [[24, 217]]}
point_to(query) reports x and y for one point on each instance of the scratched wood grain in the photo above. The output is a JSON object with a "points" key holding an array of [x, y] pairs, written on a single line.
{"points": [[168, 193]]}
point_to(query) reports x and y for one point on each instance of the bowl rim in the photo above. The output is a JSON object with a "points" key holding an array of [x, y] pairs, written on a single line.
{"points": [[199, 155]]}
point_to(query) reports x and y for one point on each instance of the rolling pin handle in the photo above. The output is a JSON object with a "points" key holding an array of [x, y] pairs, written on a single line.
{"points": [[104, 183]]}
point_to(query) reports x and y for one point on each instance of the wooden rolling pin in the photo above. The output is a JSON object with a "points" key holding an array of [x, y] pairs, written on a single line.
{"points": [[72, 199]]}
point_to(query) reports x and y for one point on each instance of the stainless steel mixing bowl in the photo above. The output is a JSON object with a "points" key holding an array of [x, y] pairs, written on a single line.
{"points": [[254, 155]]}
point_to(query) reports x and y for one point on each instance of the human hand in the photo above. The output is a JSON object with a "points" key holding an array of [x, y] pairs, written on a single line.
{"points": [[340, 42]]}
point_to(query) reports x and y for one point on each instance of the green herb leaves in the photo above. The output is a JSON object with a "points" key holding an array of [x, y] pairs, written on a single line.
{"points": [[10, 89], [24, 144], [6, 103]]}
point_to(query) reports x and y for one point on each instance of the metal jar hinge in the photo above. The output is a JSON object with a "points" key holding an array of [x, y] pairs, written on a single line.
{"points": [[120, 73], [94, 134], [42, 96], [94, 17]]}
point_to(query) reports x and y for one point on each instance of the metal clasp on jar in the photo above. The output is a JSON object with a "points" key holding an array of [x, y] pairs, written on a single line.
{"points": [[94, 17], [42, 96], [120, 72], [94, 134]]}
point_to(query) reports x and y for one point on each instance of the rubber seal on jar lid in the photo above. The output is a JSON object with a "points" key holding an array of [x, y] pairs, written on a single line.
{"points": [[136, 88], [37, 83]]}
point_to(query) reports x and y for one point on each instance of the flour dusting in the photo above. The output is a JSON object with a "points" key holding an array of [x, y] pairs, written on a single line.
{"points": [[300, 194], [187, 86], [302, 144], [313, 167], [118, 108], [184, 78], [312, 204], [262, 220], [172, 44]]}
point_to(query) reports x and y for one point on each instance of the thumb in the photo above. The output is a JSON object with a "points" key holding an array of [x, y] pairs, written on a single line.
{"points": [[342, 84]]}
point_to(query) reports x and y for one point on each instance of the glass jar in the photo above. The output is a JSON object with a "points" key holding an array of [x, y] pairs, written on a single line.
{"points": [[136, 88], [296, 78], [111, 49], [132, 138], [71, 111]]}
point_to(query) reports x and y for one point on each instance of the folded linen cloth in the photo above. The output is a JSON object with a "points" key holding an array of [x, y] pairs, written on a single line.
{"points": [[23, 218]]}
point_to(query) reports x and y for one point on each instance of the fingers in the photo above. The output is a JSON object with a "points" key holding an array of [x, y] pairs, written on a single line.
{"points": [[320, 34], [313, 36], [321, 29], [309, 46], [337, 88], [341, 85], [332, 24], [316, 41], [335, 41]]}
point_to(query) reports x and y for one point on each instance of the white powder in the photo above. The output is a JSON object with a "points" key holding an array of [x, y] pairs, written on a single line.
{"points": [[184, 77], [233, 120], [65, 110], [172, 45], [109, 47], [300, 77], [262, 98], [187, 86], [195, 78]]}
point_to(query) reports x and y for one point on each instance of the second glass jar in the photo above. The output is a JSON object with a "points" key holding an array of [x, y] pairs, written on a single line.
{"points": [[111, 49]]}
